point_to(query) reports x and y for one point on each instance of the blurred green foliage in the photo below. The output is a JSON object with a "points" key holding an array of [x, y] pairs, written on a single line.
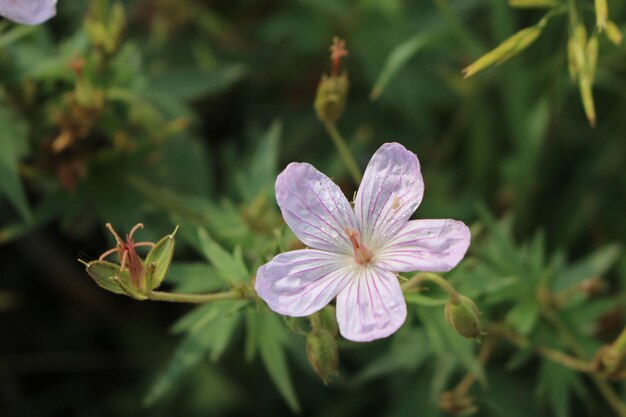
{"points": [[182, 112]]}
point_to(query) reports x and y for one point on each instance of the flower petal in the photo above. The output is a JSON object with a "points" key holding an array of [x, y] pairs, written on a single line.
{"points": [[371, 306], [301, 282], [315, 208], [29, 12], [391, 190], [425, 245]]}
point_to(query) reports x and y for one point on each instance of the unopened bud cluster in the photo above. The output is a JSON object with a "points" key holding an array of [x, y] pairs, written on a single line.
{"points": [[321, 344], [332, 90]]}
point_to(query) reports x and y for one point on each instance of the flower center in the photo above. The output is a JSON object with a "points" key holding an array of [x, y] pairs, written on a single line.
{"points": [[362, 255]]}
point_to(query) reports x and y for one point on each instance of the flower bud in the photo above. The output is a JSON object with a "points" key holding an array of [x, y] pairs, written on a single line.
{"points": [[586, 93], [105, 26], [592, 56], [463, 317], [322, 353], [610, 362], [457, 403], [572, 65], [602, 14], [613, 33], [506, 50], [330, 99]]}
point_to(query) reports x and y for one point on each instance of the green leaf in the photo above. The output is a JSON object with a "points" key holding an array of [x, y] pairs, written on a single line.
{"points": [[594, 265], [263, 169], [447, 343], [250, 347], [523, 317], [270, 342], [397, 59], [230, 267], [555, 385], [212, 335], [194, 277], [197, 317], [158, 261], [104, 274], [13, 146], [187, 84], [409, 349]]}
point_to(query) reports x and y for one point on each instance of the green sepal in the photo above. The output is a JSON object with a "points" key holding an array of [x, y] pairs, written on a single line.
{"points": [[322, 353], [105, 273], [158, 261], [128, 289], [328, 320]]}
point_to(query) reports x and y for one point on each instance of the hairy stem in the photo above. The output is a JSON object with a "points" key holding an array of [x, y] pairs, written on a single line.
{"points": [[435, 279], [344, 152], [604, 387], [483, 357], [549, 353], [194, 298]]}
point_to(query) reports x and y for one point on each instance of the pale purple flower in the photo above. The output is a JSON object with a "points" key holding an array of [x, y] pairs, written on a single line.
{"points": [[29, 12], [355, 254]]}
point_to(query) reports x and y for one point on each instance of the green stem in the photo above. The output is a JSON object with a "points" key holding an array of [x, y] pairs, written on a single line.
{"points": [[344, 152], [194, 298], [435, 279], [573, 14], [604, 387], [549, 353]]}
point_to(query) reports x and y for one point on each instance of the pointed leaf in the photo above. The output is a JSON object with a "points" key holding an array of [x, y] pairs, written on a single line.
{"points": [[230, 267], [595, 265], [270, 340], [158, 261], [104, 274], [398, 58], [212, 337]]}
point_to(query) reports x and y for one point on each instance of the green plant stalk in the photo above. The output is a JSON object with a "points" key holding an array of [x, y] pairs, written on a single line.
{"points": [[344, 152], [554, 355], [573, 14], [604, 387], [194, 298], [484, 355], [435, 279]]}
